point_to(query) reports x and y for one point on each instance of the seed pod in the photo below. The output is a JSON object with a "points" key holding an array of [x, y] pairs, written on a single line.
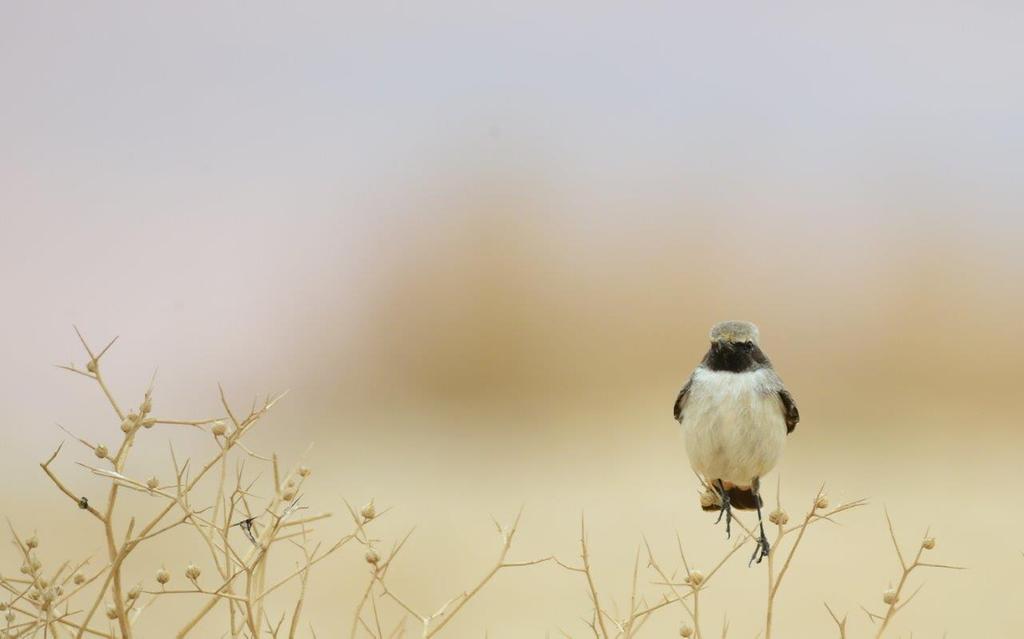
{"points": [[708, 498], [218, 428], [778, 517], [369, 511], [134, 592], [9, 616], [32, 542], [288, 493], [162, 576], [889, 597], [79, 579], [695, 578], [372, 557], [928, 543], [127, 425], [146, 407], [111, 611], [192, 572], [100, 451], [91, 366], [685, 630], [152, 483], [148, 422], [821, 503], [304, 471]]}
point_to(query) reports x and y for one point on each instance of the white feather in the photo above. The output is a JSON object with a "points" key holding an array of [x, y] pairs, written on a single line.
{"points": [[733, 424]]}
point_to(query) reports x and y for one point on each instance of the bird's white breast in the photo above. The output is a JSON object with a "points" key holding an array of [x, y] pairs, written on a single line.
{"points": [[733, 424]]}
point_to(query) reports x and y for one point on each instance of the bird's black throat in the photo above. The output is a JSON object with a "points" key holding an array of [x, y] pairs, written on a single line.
{"points": [[735, 358]]}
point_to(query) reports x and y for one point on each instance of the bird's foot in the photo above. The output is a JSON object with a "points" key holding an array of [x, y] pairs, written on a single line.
{"points": [[760, 550], [727, 512], [723, 494]]}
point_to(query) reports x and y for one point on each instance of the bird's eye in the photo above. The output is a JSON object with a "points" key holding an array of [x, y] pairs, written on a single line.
{"points": [[748, 345]]}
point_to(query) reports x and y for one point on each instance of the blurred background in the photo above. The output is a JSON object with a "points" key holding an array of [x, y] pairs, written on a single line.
{"points": [[482, 244]]}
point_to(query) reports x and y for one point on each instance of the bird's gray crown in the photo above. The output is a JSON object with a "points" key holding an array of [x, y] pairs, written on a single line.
{"points": [[734, 331]]}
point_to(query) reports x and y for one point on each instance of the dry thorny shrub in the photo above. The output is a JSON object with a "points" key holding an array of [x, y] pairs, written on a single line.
{"points": [[240, 530]]}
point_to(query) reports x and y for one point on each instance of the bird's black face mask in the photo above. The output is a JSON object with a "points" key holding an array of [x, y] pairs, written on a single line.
{"points": [[734, 357]]}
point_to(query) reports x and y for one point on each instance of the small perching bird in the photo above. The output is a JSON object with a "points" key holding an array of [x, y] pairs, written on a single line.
{"points": [[735, 414]]}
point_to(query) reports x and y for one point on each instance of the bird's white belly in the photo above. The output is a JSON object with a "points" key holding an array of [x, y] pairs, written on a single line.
{"points": [[733, 425]]}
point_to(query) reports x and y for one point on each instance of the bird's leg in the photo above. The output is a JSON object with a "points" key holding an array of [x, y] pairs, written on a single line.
{"points": [[726, 508], [762, 547]]}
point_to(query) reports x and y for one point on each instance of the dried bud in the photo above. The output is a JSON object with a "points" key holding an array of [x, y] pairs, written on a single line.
{"points": [[192, 572], [127, 424], [79, 579], [685, 630], [162, 576], [149, 422], [146, 407], [889, 596], [100, 451], [219, 428], [695, 578], [152, 483], [372, 557], [111, 611], [134, 592], [91, 366], [708, 498], [42, 583], [48, 595], [3, 606], [290, 483], [304, 471], [928, 543], [36, 564], [9, 616], [32, 542], [821, 503], [369, 511], [288, 493], [778, 517]]}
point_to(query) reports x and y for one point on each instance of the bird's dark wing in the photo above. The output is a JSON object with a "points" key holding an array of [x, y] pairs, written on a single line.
{"points": [[677, 410], [789, 410]]}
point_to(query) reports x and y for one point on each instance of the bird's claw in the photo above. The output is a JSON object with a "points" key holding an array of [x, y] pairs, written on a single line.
{"points": [[727, 511], [761, 550]]}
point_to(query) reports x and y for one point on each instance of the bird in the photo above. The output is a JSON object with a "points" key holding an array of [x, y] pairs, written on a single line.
{"points": [[736, 415]]}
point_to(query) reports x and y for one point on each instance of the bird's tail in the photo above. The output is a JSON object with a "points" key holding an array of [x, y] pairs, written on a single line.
{"points": [[739, 499]]}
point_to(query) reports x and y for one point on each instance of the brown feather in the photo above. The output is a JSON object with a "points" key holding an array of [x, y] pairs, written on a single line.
{"points": [[739, 499]]}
